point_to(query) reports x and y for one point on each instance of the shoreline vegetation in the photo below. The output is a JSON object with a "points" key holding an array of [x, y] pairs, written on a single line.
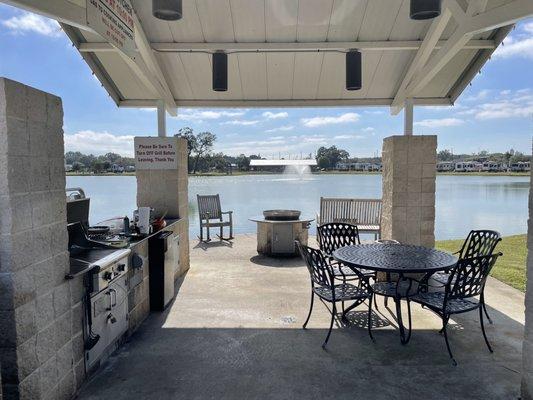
{"points": [[510, 268], [238, 173]]}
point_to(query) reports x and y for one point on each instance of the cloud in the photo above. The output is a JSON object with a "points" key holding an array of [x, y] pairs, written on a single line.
{"points": [[280, 128], [243, 122], [439, 123], [520, 44], [189, 114], [99, 143], [271, 115], [481, 95], [506, 104], [346, 137], [368, 129], [321, 121], [32, 23]]}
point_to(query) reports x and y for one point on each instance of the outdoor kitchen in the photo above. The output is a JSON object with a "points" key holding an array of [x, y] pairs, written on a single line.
{"points": [[112, 259]]}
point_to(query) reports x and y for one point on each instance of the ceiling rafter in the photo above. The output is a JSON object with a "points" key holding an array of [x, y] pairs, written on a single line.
{"points": [[254, 47], [453, 45]]}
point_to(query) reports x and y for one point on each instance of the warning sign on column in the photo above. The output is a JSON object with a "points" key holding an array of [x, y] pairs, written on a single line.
{"points": [[156, 153]]}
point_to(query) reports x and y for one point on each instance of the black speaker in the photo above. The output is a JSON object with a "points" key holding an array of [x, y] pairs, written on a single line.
{"points": [[167, 10], [354, 70], [220, 72], [425, 9]]}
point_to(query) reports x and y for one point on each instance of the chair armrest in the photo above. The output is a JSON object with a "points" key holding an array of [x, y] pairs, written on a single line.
{"points": [[205, 215], [226, 212]]}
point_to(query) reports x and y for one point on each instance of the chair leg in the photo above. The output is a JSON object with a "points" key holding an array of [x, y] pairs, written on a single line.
{"points": [[444, 324], [221, 234], [370, 318], [483, 329], [201, 233], [208, 237], [333, 312], [375, 302], [486, 313], [310, 309]]}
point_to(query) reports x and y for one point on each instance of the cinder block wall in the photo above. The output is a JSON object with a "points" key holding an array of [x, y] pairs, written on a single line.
{"points": [[527, 349], [409, 175], [41, 342], [168, 190]]}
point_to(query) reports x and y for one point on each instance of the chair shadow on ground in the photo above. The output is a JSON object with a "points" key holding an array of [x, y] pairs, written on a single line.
{"points": [[273, 363], [359, 319], [213, 244], [276, 262]]}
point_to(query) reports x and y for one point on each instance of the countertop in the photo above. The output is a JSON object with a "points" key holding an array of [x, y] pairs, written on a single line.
{"points": [[82, 262]]}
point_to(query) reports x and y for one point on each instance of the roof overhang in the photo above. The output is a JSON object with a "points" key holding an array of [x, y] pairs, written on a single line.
{"points": [[290, 53]]}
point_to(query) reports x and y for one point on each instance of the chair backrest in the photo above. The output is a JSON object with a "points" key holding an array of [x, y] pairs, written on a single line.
{"points": [[209, 204], [469, 276], [319, 268], [352, 211], [335, 235], [479, 243]]}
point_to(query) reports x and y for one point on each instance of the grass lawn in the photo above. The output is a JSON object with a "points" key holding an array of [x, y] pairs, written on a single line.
{"points": [[511, 267]]}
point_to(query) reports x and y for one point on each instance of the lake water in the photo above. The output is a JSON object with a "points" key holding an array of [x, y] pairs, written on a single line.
{"points": [[463, 202]]}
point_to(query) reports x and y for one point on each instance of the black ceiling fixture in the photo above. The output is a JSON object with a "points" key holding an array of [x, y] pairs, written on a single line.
{"points": [[354, 70], [220, 71], [425, 9], [168, 10]]}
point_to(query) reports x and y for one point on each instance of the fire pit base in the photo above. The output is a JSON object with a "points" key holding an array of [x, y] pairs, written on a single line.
{"points": [[276, 238]]}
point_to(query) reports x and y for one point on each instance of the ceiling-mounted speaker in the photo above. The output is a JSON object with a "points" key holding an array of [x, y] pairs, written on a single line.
{"points": [[354, 70], [167, 10], [220, 71], [425, 9]]}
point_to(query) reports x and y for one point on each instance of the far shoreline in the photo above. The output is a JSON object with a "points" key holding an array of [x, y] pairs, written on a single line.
{"points": [[239, 173]]}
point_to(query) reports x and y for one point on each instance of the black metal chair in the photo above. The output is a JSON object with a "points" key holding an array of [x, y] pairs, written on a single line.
{"points": [[333, 236], [323, 285], [477, 243], [465, 283]]}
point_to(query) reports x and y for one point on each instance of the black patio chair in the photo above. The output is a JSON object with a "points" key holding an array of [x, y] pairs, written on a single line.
{"points": [[477, 243], [323, 285], [333, 236], [463, 292]]}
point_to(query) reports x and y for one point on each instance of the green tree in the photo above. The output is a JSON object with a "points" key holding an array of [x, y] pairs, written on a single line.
{"points": [[445, 155], [323, 162], [204, 145]]}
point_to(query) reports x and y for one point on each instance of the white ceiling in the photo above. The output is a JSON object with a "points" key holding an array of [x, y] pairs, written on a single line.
{"points": [[286, 78]]}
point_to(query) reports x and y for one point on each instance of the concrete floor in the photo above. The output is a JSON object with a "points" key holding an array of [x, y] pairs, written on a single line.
{"points": [[234, 332]]}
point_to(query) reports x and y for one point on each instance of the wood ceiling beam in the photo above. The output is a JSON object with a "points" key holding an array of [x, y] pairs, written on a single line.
{"points": [[387, 45]]}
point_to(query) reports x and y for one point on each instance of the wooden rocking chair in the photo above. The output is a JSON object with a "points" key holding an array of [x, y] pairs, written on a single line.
{"points": [[211, 214]]}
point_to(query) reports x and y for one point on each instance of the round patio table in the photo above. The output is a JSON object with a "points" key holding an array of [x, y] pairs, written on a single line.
{"points": [[398, 259]]}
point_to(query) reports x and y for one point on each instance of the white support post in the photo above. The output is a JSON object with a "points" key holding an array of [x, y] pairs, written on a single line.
{"points": [[161, 119], [408, 117]]}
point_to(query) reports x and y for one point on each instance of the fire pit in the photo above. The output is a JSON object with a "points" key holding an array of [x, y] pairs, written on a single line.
{"points": [[281, 215], [278, 229]]}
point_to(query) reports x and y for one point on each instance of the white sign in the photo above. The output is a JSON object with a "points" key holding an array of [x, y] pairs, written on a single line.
{"points": [[156, 153], [113, 20]]}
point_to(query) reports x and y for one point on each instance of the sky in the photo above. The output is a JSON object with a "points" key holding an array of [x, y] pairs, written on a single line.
{"points": [[495, 113]]}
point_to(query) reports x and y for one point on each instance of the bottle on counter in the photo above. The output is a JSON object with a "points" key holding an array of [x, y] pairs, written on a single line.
{"points": [[127, 225]]}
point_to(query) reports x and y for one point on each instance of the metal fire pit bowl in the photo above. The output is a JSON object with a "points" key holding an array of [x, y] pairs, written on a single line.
{"points": [[281, 215]]}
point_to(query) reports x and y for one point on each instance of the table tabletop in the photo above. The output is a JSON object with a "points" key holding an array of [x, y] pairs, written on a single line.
{"points": [[397, 258]]}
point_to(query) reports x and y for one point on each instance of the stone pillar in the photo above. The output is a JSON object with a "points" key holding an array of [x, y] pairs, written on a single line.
{"points": [[527, 347], [41, 341], [409, 173], [168, 191]]}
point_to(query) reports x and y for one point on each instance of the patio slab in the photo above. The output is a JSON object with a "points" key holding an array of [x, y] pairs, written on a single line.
{"points": [[234, 331]]}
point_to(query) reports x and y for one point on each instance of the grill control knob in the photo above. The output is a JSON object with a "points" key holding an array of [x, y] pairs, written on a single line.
{"points": [[108, 275], [121, 267]]}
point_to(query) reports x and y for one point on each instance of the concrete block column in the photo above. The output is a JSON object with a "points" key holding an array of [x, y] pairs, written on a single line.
{"points": [[38, 349], [527, 347], [409, 174], [168, 191]]}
